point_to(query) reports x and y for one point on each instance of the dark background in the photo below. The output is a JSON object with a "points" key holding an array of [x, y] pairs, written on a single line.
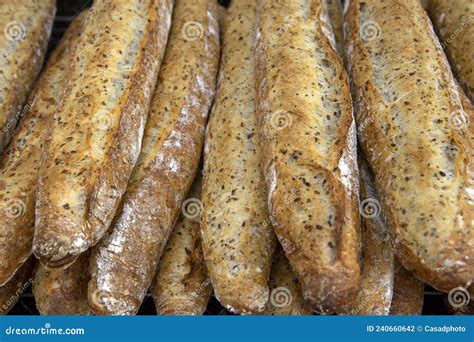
{"points": [[67, 10]]}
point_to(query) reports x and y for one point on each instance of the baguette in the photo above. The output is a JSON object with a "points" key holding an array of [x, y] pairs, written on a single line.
{"points": [[309, 149], [20, 163], [11, 291], [334, 8], [26, 26], [63, 291], [407, 293], [413, 132], [378, 262], [454, 23], [95, 137], [237, 240], [286, 298], [181, 285], [125, 261]]}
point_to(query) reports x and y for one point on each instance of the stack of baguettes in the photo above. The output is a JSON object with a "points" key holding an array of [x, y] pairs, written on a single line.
{"points": [[102, 181]]}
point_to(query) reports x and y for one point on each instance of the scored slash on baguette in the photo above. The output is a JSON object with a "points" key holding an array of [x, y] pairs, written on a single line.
{"points": [[124, 262], [21, 161], [309, 149], [413, 131], [238, 242], [95, 137], [25, 30]]}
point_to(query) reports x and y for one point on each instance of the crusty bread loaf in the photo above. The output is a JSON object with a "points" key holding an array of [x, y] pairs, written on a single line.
{"points": [[95, 137], [454, 23], [238, 242], [125, 261], [309, 154], [408, 293], [16, 286], [378, 262], [63, 291], [26, 27], [286, 297], [413, 131], [334, 9], [20, 163], [181, 285]]}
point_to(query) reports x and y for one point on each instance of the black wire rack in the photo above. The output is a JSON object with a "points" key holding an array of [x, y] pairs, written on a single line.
{"points": [[68, 9]]}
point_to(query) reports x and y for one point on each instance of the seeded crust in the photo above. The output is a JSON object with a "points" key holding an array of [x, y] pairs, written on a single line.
{"points": [[21, 59], [412, 128], [20, 163], [408, 293], [95, 137], [309, 149], [63, 291], [334, 9], [124, 262], [13, 289], [454, 23], [286, 297], [181, 285], [238, 242], [378, 261]]}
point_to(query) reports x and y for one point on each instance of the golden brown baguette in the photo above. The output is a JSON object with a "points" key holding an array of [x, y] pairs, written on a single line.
{"points": [[238, 242], [413, 132], [12, 290], [309, 149], [454, 23], [95, 137], [125, 261], [63, 291], [20, 163], [407, 293], [334, 9], [181, 285], [26, 28], [286, 297], [376, 288]]}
